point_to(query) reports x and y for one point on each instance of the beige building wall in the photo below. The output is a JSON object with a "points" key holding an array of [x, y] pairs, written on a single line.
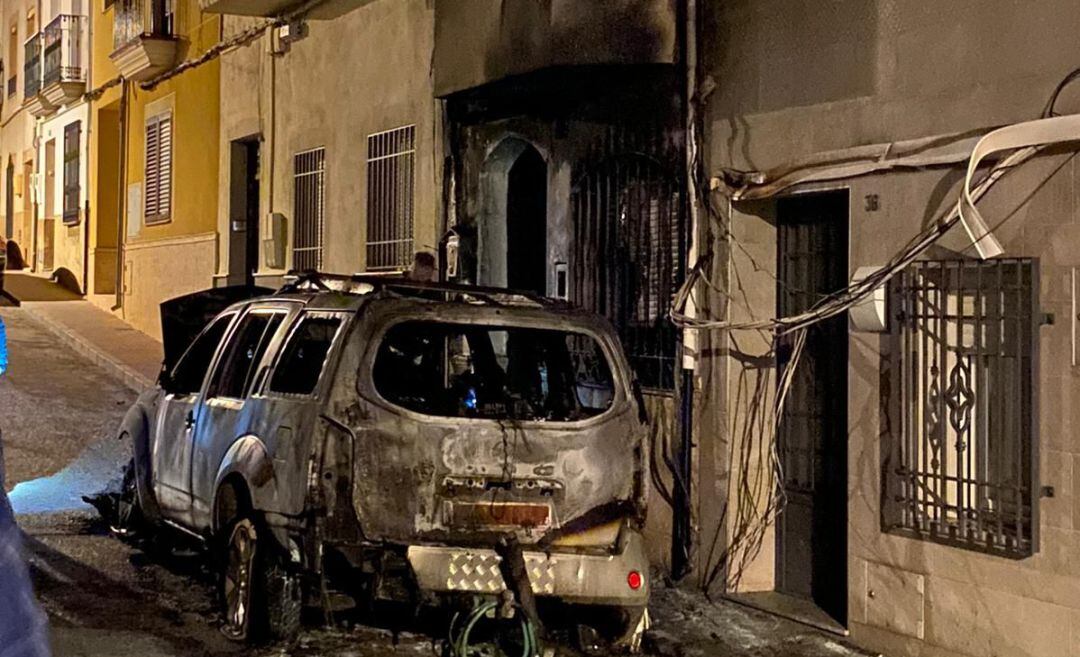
{"points": [[806, 77], [19, 22], [366, 71]]}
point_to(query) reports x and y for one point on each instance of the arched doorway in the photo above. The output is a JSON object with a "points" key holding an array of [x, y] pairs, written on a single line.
{"points": [[513, 223]]}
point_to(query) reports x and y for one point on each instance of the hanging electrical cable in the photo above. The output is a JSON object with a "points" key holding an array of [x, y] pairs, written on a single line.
{"points": [[755, 492]]}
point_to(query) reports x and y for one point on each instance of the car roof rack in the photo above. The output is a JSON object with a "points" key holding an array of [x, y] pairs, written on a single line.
{"points": [[363, 284]]}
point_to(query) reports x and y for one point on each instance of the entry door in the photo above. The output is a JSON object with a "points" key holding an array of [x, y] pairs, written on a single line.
{"points": [[812, 530], [48, 220], [9, 201], [244, 211], [526, 224]]}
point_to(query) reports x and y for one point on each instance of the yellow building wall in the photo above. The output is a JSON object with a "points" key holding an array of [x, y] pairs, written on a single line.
{"points": [[164, 260]]}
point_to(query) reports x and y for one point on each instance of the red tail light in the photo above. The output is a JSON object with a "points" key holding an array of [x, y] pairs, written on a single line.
{"points": [[635, 580]]}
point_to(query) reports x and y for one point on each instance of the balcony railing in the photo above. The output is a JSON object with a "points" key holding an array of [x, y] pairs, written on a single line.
{"points": [[32, 67], [63, 50], [142, 18]]}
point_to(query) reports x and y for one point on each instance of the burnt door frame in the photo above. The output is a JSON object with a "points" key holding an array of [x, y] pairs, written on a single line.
{"points": [[811, 532]]}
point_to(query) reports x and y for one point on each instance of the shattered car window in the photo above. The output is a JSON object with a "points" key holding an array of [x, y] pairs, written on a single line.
{"points": [[457, 370], [304, 356], [246, 347], [187, 377]]}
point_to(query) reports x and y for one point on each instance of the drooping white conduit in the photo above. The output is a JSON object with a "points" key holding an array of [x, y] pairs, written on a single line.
{"points": [[1024, 140]]}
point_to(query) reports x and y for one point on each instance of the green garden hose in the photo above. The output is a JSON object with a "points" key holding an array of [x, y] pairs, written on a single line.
{"points": [[459, 646]]}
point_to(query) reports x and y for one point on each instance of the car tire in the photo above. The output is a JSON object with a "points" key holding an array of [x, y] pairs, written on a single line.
{"points": [[261, 597], [632, 623]]}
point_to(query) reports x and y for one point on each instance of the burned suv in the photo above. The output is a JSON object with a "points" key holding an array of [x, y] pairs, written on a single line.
{"points": [[355, 438]]}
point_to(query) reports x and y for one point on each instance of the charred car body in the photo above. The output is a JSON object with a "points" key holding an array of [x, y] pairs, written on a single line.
{"points": [[384, 438]]}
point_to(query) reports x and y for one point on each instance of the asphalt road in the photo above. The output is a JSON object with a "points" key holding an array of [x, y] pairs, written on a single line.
{"points": [[107, 598]]}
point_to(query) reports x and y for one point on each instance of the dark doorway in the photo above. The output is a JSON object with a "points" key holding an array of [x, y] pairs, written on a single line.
{"points": [[244, 211], [526, 223], [811, 541], [9, 200]]}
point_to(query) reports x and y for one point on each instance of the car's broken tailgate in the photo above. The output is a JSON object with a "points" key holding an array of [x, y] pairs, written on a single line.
{"points": [[480, 423]]}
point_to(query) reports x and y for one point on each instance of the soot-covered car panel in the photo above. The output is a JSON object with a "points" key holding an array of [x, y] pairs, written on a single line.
{"points": [[372, 418]]}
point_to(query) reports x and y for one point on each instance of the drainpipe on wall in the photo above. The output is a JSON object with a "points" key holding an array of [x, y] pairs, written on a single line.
{"points": [[121, 199], [85, 176], [682, 529]]}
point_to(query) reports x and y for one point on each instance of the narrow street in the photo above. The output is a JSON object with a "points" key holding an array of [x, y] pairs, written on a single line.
{"points": [[105, 597]]}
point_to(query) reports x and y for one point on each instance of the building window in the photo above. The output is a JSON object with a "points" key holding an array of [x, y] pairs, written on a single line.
{"points": [[960, 464], [13, 58], [72, 190], [309, 208], [159, 147], [390, 179]]}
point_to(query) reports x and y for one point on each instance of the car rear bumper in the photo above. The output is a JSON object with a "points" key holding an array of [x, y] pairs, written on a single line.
{"points": [[569, 576]]}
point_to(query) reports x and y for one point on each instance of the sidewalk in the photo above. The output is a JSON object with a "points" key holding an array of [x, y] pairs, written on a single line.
{"points": [[105, 339]]}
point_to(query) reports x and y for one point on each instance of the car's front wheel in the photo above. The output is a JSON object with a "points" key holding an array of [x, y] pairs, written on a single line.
{"points": [[261, 597]]}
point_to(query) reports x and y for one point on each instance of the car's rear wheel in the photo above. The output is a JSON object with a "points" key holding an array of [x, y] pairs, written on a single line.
{"points": [[261, 596], [633, 623]]}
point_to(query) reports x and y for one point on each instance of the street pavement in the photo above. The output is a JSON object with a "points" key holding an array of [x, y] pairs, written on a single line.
{"points": [[107, 598]]}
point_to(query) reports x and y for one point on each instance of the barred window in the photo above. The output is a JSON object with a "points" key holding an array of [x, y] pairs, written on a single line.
{"points": [[159, 147], [72, 190], [390, 178], [309, 208], [960, 464]]}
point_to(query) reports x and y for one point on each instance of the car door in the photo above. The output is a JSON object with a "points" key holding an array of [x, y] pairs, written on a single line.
{"points": [[224, 411], [290, 400], [175, 421]]}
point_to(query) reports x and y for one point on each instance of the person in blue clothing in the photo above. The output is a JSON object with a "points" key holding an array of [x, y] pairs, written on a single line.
{"points": [[3, 347], [23, 630]]}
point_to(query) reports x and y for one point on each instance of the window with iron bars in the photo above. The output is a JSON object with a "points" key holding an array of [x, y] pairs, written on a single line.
{"points": [[72, 190], [960, 463], [390, 182], [309, 208]]}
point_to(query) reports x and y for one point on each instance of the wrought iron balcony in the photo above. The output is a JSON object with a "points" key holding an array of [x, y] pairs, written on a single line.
{"points": [[32, 67], [63, 50], [144, 40]]}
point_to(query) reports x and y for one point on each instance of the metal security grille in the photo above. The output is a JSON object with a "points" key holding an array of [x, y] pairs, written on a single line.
{"points": [[629, 245], [390, 181], [309, 208], [961, 466]]}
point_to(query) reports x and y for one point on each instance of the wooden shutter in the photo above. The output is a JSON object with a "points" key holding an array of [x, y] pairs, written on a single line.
{"points": [[158, 190], [165, 166], [153, 157]]}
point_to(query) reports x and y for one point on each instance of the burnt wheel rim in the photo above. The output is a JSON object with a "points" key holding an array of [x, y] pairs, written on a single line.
{"points": [[239, 567]]}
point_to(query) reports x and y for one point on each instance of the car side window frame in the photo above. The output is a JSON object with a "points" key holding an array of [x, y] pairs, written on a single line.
{"points": [[328, 362], [232, 316], [274, 344]]}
